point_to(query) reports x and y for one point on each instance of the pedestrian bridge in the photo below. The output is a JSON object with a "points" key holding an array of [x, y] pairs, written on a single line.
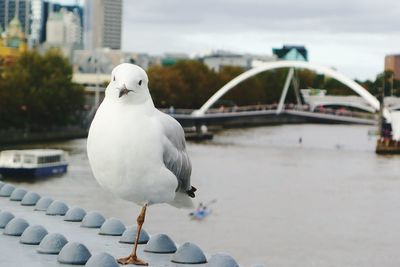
{"points": [[268, 115], [369, 102]]}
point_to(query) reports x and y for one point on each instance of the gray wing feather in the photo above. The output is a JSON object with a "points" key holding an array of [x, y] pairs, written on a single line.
{"points": [[175, 156]]}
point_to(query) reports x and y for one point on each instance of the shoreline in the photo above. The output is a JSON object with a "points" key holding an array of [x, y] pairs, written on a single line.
{"points": [[16, 137]]}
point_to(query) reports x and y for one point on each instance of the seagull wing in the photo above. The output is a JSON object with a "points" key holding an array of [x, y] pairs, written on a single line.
{"points": [[175, 156]]}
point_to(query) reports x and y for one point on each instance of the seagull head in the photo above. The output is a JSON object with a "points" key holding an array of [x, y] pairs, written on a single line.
{"points": [[129, 83]]}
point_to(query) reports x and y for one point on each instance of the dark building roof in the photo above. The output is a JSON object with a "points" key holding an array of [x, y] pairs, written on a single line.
{"points": [[282, 52]]}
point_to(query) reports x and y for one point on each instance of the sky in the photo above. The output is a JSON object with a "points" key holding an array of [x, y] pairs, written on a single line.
{"points": [[352, 36]]}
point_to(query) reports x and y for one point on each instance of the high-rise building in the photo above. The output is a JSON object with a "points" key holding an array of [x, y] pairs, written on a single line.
{"points": [[392, 63], [55, 7], [73, 32], [55, 29], [37, 22], [64, 29], [102, 24], [15, 8]]}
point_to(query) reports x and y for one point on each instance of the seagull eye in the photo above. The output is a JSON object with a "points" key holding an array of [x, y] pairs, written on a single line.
{"points": [[140, 82]]}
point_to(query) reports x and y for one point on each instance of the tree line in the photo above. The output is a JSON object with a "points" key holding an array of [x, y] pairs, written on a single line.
{"points": [[189, 83], [37, 91]]}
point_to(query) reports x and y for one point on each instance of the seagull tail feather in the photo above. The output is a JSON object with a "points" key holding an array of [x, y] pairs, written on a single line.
{"points": [[191, 191]]}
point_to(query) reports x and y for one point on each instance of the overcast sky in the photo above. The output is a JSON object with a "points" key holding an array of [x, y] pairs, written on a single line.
{"points": [[351, 35]]}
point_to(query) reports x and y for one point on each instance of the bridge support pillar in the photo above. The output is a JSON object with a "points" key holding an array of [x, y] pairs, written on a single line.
{"points": [[285, 90]]}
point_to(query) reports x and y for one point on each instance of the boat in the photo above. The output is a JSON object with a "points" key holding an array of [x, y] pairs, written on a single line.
{"points": [[194, 136], [198, 133], [388, 141], [202, 211], [200, 214], [33, 162], [389, 132]]}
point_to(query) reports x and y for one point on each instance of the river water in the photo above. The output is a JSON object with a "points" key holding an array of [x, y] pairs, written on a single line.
{"points": [[328, 200]]}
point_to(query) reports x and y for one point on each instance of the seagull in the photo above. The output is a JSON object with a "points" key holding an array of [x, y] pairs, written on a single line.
{"points": [[136, 151]]}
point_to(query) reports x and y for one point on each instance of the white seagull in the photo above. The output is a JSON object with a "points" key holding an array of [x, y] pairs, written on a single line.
{"points": [[136, 151]]}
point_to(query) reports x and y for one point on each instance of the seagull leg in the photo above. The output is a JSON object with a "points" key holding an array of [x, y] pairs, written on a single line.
{"points": [[133, 259]]}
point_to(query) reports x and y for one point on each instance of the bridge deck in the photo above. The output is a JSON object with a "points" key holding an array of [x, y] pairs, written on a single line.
{"points": [[269, 117]]}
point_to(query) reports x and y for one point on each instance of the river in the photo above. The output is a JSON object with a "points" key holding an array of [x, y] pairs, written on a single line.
{"points": [[291, 195]]}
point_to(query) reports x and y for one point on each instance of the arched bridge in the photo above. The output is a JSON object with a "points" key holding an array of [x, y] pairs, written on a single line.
{"points": [[372, 104]]}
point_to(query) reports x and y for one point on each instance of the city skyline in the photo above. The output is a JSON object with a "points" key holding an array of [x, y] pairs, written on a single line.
{"points": [[352, 37]]}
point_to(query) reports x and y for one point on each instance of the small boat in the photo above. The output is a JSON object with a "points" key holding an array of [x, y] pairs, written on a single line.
{"points": [[194, 136], [202, 211], [33, 162], [199, 214], [198, 134]]}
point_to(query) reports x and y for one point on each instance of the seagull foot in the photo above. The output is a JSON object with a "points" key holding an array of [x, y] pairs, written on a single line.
{"points": [[132, 260]]}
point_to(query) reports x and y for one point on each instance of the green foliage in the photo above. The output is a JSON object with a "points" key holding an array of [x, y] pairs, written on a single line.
{"points": [[385, 81], [37, 92], [200, 80], [167, 86], [272, 83], [187, 84], [249, 92]]}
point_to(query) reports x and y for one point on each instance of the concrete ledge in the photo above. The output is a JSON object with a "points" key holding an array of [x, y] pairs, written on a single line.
{"points": [[70, 239]]}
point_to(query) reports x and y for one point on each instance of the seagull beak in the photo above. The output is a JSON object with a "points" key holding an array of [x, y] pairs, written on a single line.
{"points": [[123, 91]]}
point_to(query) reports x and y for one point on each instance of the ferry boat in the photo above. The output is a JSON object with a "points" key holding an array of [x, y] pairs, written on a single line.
{"points": [[33, 162]]}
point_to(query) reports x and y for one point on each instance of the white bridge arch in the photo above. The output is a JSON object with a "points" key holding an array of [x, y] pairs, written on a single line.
{"points": [[291, 64]]}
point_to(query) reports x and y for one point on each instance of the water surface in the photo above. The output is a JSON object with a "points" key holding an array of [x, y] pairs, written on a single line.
{"points": [[328, 200]]}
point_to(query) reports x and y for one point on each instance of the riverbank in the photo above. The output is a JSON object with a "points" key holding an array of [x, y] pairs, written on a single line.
{"points": [[11, 137], [18, 137]]}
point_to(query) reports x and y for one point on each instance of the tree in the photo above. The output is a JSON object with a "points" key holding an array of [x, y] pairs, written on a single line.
{"points": [[249, 92], [167, 86], [37, 92], [187, 84], [385, 80], [201, 82]]}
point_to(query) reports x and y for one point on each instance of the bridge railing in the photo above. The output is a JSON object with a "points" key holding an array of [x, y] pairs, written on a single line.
{"points": [[269, 107], [346, 113]]}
